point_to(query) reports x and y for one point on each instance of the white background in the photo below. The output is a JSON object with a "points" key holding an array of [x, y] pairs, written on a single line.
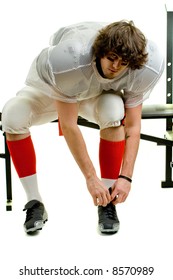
{"points": [[71, 237]]}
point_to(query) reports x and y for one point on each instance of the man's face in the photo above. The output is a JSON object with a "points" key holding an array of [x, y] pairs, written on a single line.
{"points": [[112, 65]]}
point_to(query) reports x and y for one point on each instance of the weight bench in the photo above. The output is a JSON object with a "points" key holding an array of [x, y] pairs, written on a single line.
{"points": [[158, 111]]}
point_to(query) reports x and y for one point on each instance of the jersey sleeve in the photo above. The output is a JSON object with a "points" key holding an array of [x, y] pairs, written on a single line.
{"points": [[67, 62], [144, 80]]}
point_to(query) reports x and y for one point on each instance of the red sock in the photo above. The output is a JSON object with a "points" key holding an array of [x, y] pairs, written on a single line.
{"points": [[110, 157], [23, 155]]}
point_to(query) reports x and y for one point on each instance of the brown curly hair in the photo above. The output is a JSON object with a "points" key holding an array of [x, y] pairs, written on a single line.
{"points": [[123, 39]]}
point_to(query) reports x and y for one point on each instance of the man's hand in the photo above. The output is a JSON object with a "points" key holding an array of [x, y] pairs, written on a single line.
{"points": [[98, 191], [120, 191]]}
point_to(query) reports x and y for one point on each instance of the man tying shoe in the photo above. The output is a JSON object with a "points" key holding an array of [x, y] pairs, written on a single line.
{"points": [[103, 73]]}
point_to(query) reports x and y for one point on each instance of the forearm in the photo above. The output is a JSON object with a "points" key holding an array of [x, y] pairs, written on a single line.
{"points": [[131, 150], [78, 149], [67, 115]]}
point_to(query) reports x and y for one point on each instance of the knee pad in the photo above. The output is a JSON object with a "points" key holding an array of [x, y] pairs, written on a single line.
{"points": [[110, 110], [16, 116]]}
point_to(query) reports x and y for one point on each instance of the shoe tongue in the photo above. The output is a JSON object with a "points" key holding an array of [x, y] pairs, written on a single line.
{"points": [[30, 204]]}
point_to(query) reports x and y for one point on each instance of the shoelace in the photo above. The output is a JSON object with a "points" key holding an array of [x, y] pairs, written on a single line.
{"points": [[110, 212], [32, 212]]}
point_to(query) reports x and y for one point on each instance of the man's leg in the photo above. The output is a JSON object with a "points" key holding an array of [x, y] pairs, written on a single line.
{"points": [[24, 159], [22, 152], [111, 151], [18, 115], [107, 110]]}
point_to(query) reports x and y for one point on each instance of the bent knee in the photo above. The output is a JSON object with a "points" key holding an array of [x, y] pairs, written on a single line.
{"points": [[110, 110], [16, 116]]}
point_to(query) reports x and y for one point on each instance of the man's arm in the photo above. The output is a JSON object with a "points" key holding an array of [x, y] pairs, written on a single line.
{"points": [[68, 115], [132, 134]]}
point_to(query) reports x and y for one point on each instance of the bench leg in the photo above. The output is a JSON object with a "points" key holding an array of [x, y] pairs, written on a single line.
{"points": [[8, 177], [168, 183]]}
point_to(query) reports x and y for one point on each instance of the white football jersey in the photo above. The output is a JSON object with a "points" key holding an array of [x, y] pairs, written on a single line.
{"points": [[67, 71]]}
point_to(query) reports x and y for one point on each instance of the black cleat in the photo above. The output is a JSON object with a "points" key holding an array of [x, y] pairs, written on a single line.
{"points": [[36, 216], [108, 219]]}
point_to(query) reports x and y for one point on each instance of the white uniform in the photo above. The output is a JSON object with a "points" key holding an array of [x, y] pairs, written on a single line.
{"points": [[66, 71]]}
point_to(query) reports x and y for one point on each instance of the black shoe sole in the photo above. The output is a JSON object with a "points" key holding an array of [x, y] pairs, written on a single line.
{"points": [[109, 231]]}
